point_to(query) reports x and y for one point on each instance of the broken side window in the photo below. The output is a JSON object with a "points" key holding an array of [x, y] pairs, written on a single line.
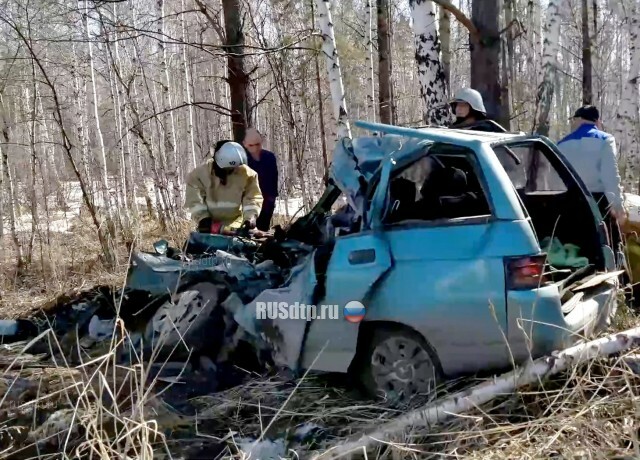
{"points": [[533, 173], [443, 185]]}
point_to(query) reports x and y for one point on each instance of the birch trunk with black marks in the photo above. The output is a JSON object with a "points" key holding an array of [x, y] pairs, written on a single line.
{"points": [[444, 25], [549, 65], [385, 100], [316, 63], [430, 74], [80, 119], [333, 68]]}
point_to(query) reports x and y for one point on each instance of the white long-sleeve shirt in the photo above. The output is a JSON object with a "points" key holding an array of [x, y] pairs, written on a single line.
{"points": [[593, 155]]}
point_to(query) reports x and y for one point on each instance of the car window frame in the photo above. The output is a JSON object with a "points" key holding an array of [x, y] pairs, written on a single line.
{"points": [[472, 156]]}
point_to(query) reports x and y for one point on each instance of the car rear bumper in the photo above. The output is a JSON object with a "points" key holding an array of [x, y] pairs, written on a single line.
{"points": [[537, 325]]}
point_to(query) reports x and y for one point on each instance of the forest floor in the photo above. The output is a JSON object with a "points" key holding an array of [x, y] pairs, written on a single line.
{"points": [[48, 407]]}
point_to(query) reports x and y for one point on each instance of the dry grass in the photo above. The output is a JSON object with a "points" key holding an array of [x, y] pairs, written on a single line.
{"points": [[51, 409], [66, 264], [590, 412]]}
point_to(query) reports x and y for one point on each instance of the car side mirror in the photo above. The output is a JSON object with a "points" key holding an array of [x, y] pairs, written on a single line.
{"points": [[161, 247]]}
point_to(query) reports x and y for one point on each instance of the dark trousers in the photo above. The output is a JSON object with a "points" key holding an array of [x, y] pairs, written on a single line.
{"points": [[610, 222], [266, 213]]}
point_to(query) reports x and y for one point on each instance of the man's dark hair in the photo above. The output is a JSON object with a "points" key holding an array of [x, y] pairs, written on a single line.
{"points": [[587, 112], [220, 144]]}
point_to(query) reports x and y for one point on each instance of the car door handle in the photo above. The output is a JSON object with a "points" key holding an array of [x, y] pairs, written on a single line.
{"points": [[362, 256]]}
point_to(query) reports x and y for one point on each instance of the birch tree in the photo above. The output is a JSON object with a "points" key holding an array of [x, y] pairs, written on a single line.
{"points": [[444, 25], [551, 47], [430, 73], [333, 67]]}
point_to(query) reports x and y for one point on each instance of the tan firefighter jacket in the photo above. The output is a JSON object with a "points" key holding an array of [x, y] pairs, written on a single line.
{"points": [[233, 203]]}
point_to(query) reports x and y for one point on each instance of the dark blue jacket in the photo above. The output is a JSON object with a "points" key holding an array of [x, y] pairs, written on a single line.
{"points": [[267, 169]]}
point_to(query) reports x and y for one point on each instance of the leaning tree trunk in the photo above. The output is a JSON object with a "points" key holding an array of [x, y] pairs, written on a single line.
{"points": [[549, 65], [468, 399], [385, 101], [485, 56], [430, 74], [333, 67]]}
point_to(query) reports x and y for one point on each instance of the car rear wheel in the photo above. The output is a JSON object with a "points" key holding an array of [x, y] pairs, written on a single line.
{"points": [[397, 364]]}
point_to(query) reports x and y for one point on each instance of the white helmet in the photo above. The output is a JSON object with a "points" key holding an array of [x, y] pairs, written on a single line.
{"points": [[471, 97], [230, 155]]}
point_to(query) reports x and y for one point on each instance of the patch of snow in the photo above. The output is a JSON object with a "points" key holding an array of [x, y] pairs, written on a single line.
{"points": [[263, 450], [60, 220]]}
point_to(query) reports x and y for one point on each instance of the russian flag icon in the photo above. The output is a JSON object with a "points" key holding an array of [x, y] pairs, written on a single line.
{"points": [[354, 311]]}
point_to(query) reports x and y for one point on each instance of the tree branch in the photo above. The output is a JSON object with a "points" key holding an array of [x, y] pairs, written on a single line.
{"points": [[215, 23], [201, 105], [460, 16]]}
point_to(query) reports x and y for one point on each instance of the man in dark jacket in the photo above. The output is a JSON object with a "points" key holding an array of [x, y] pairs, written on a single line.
{"points": [[264, 163]]}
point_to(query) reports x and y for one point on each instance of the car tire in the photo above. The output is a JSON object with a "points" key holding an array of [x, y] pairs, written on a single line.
{"points": [[190, 322], [397, 364]]}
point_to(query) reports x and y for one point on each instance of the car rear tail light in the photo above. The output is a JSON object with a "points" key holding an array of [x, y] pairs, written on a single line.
{"points": [[525, 272]]}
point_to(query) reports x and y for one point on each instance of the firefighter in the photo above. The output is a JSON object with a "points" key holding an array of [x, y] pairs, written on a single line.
{"points": [[223, 193], [468, 108]]}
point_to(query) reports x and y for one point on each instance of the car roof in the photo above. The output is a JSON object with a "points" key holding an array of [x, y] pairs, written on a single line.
{"points": [[438, 134], [470, 135]]}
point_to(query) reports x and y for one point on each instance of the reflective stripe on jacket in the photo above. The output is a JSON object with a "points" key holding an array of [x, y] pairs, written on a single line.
{"points": [[233, 203], [593, 155]]}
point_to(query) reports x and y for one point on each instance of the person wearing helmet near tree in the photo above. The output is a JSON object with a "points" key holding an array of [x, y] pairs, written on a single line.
{"points": [[468, 108], [223, 193]]}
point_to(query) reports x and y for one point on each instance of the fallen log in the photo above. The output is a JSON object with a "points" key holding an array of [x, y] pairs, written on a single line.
{"points": [[480, 394]]}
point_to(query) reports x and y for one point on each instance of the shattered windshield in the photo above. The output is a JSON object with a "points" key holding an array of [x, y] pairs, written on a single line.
{"points": [[356, 163]]}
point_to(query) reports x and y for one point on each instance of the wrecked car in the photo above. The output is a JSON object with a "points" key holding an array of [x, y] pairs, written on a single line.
{"points": [[462, 253], [445, 252]]}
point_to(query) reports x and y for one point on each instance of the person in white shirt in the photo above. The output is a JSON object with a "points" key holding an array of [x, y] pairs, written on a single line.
{"points": [[593, 154]]}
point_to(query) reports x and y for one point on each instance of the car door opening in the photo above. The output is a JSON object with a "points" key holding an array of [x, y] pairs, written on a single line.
{"points": [[560, 213]]}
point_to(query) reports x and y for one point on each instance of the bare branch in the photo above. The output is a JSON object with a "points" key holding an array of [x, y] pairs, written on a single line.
{"points": [[460, 16]]}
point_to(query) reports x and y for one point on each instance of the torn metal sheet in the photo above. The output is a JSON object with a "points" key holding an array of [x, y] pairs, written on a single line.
{"points": [[284, 336], [598, 279]]}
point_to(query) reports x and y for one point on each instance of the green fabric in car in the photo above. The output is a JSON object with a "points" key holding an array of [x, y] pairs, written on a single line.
{"points": [[560, 255]]}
